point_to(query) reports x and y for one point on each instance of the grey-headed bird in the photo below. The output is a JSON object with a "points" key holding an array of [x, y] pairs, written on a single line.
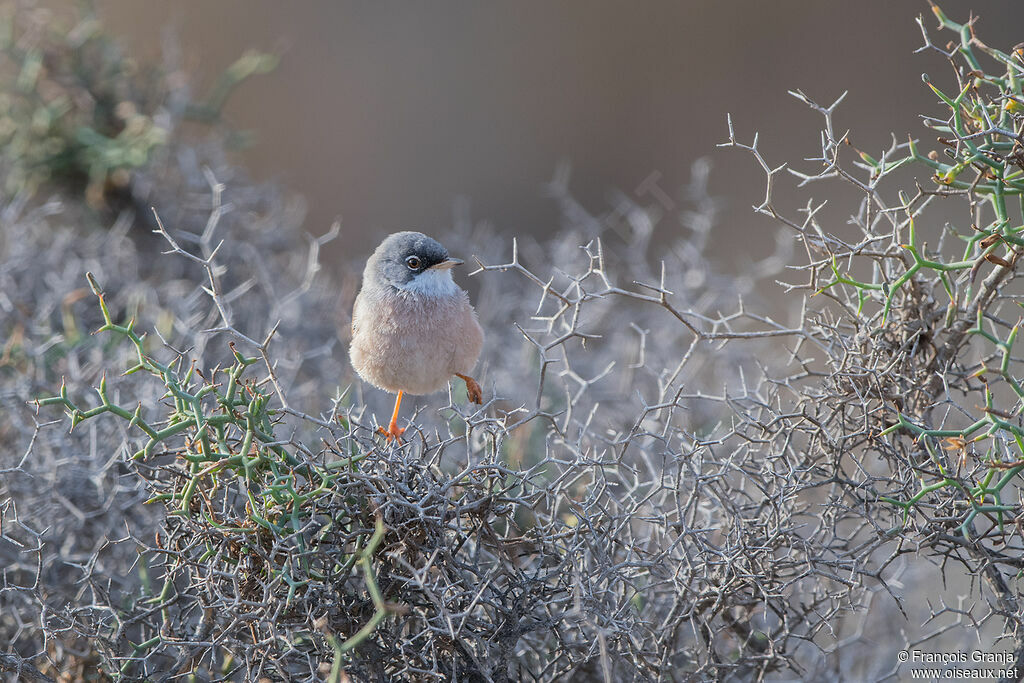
{"points": [[413, 328]]}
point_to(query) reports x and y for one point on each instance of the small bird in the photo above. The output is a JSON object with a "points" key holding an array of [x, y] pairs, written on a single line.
{"points": [[413, 328]]}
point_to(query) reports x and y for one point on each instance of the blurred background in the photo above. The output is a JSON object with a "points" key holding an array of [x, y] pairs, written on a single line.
{"points": [[390, 115]]}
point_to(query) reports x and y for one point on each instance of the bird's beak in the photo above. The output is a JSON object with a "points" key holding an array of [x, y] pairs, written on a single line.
{"points": [[448, 263]]}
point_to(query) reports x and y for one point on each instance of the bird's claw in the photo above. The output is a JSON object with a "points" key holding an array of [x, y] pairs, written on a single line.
{"points": [[392, 433], [476, 395]]}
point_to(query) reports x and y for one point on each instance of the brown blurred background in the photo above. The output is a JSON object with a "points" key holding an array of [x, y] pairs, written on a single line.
{"points": [[385, 113]]}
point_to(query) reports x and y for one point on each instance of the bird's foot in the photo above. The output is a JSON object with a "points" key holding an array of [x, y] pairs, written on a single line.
{"points": [[472, 388], [392, 433]]}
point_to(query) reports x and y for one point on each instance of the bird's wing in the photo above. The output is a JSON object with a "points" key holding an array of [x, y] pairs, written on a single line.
{"points": [[355, 315]]}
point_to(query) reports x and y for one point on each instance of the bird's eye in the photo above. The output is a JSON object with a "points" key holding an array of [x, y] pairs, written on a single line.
{"points": [[413, 262]]}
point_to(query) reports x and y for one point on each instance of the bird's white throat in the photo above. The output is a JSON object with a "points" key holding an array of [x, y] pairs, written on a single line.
{"points": [[432, 282]]}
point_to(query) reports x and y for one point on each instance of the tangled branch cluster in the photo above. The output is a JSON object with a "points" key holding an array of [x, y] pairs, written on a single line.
{"points": [[653, 491]]}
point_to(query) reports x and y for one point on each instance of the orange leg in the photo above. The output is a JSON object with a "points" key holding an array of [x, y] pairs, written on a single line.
{"points": [[393, 432], [472, 388]]}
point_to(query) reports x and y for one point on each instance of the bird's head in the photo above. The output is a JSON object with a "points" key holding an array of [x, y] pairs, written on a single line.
{"points": [[412, 262]]}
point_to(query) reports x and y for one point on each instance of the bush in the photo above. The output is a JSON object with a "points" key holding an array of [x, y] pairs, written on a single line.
{"points": [[653, 490]]}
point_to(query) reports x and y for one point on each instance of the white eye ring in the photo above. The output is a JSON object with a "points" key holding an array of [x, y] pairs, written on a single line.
{"points": [[413, 262]]}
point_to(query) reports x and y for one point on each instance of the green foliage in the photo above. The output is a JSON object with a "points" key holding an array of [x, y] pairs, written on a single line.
{"points": [[982, 159], [73, 108], [241, 483]]}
